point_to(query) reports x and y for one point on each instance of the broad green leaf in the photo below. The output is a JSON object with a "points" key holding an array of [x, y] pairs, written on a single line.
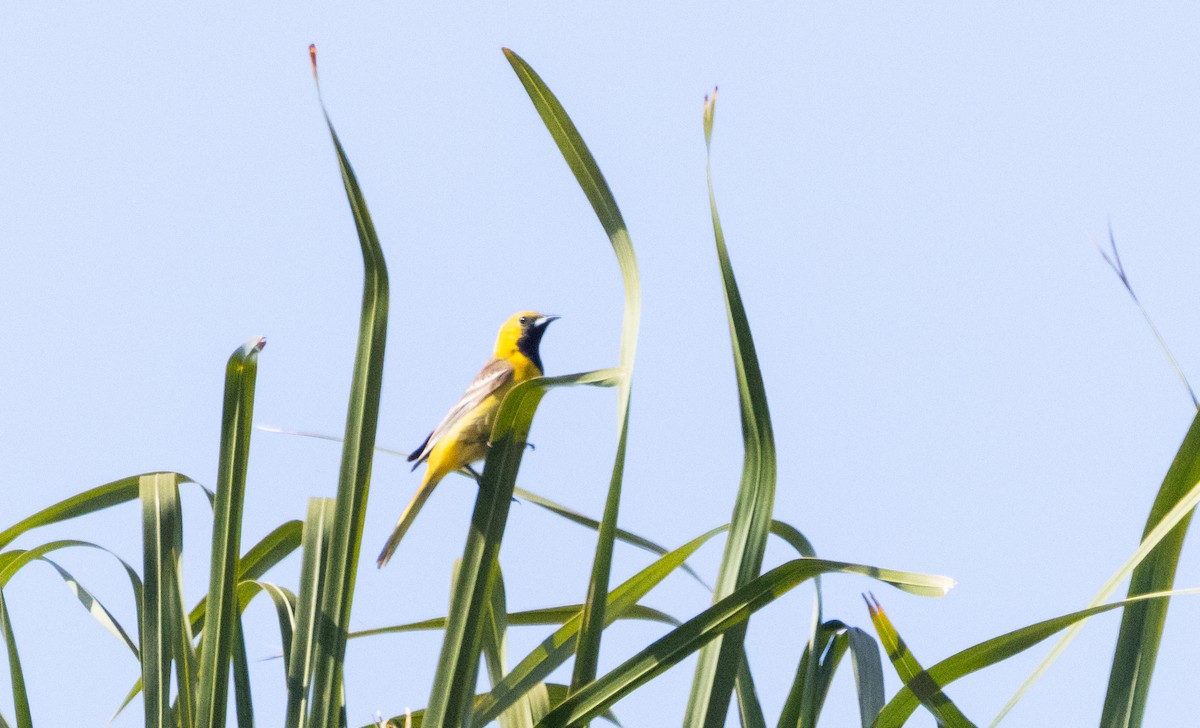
{"points": [[595, 188], [284, 602], [558, 647], [165, 634], [733, 610], [13, 561], [268, 552], [570, 514], [553, 694], [16, 675], [868, 675], [454, 680], [354, 478], [997, 649], [259, 559], [1180, 511], [530, 617], [798, 708], [713, 682], [1142, 623], [928, 691], [223, 633], [243, 700], [81, 504], [318, 528], [622, 535], [495, 652]]}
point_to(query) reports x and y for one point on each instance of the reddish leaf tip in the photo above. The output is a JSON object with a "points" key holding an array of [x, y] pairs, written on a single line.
{"points": [[312, 56]]}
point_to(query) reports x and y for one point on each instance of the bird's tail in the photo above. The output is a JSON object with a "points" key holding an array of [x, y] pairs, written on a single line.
{"points": [[410, 514]]}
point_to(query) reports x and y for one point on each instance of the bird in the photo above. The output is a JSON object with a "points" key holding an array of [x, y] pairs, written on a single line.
{"points": [[462, 436]]}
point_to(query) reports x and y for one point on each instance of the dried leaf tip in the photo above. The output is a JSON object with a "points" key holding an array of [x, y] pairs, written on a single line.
{"points": [[710, 105], [262, 341], [312, 57], [873, 605]]}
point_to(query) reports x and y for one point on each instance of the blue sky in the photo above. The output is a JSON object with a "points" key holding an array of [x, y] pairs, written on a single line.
{"points": [[910, 192]]}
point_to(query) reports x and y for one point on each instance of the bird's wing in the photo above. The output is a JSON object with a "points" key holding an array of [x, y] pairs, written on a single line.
{"points": [[494, 375]]}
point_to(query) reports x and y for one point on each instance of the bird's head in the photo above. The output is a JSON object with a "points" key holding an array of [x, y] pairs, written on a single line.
{"points": [[523, 332]]}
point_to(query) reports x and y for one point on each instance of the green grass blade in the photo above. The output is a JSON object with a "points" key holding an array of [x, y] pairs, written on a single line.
{"points": [[1181, 510], [284, 602], [165, 633], [14, 561], [495, 652], [527, 618], [628, 537], [454, 680], [693, 634], [750, 711], [552, 693], [988, 653], [712, 684], [583, 165], [1142, 623], [796, 711], [81, 504], [16, 675], [242, 697], [554, 507], [814, 677], [354, 479], [558, 647], [318, 529], [259, 559], [868, 675], [927, 690], [268, 552], [223, 631]]}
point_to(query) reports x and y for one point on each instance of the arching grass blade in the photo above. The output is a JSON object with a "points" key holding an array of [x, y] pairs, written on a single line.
{"points": [[81, 504], [354, 478], [595, 187], [727, 613], [713, 682], [998, 649], [458, 663]]}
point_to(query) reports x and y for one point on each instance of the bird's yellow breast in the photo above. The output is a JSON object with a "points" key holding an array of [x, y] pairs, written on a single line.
{"points": [[467, 441]]}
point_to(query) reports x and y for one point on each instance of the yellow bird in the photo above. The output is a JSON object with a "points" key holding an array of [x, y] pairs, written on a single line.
{"points": [[462, 437]]}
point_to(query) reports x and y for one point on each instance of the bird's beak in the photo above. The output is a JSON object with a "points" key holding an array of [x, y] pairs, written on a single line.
{"points": [[544, 321]]}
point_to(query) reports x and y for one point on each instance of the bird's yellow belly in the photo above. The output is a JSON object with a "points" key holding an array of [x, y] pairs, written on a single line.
{"points": [[467, 441]]}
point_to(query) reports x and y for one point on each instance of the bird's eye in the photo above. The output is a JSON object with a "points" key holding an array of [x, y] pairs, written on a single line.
{"points": [[524, 320]]}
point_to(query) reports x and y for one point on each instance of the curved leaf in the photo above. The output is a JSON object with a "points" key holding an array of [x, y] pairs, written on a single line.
{"points": [[693, 634], [713, 682], [595, 187], [81, 504], [453, 685], [354, 478], [995, 650]]}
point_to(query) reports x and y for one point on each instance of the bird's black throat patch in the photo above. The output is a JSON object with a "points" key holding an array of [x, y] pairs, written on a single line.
{"points": [[531, 339]]}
